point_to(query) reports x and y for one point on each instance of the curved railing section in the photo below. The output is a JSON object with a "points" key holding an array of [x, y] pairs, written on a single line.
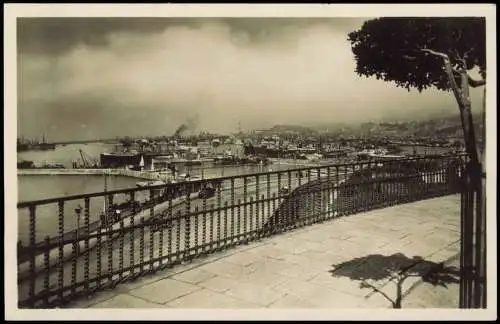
{"points": [[366, 188], [70, 247]]}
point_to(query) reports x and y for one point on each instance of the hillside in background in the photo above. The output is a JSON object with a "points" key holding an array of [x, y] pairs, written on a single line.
{"points": [[449, 126]]}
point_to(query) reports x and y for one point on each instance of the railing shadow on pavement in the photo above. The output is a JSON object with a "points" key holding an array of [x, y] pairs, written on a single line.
{"points": [[376, 272]]}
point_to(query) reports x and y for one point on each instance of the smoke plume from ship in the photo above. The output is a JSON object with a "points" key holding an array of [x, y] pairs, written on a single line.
{"points": [[190, 124]]}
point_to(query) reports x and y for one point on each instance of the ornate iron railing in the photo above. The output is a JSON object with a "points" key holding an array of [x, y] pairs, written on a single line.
{"points": [[67, 248], [473, 241]]}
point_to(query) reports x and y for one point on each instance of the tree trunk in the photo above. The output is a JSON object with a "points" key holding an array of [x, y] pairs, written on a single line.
{"points": [[473, 259], [464, 105], [461, 93]]}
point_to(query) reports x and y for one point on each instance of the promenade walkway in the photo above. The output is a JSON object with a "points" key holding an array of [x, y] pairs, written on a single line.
{"points": [[387, 258]]}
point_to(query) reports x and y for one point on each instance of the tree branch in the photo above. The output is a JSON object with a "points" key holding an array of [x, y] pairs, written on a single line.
{"points": [[455, 71], [462, 97], [429, 51], [449, 71], [410, 58]]}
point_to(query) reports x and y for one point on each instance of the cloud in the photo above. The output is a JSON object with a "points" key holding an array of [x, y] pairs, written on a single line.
{"points": [[223, 72]]}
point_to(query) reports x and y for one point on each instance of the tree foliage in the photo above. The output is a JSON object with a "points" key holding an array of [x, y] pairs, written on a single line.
{"points": [[391, 49]]}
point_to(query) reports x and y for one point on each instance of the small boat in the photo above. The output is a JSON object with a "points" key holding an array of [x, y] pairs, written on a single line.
{"points": [[143, 184]]}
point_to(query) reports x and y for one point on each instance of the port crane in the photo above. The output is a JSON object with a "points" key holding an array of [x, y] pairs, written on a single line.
{"points": [[87, 161]]}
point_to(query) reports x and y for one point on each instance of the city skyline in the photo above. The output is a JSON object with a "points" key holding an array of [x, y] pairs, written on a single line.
{"points": [[81, 78]]}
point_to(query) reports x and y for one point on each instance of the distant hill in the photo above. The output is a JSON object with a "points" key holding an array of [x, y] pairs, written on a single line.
{"points": [[444, 126]]}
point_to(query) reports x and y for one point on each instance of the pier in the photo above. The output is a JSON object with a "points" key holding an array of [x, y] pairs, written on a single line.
{"points": [[146, 175]]}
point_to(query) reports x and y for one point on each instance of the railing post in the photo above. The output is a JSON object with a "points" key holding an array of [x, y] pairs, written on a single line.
{"points": [[31, 247], [152, 222], [232, 211], [336, 194], [162, 224], [258, 224], [251, 231], [170, 225], [219, 206], [288, 197], [46, 268], [309, 200], [178, 237], [74, 262], [345, 193], [86, 224], [141, 245], [60, 280], [187, 225], [245, 215], [274, 216], [109, 239], [278, 212], [263, 213], [99, 258], [226, 234], [326, 189], [238, 223], [204, 223], [212, 226], [268, 190], [301, 206], [196, 230], [121, 248], [132, 235]]}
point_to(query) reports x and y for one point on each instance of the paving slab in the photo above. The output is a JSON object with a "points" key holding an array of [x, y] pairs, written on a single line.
{"points": [[219, 284], [291, 301], [263, 277], [244, 258], [317, 295], [127, 301], [194, 276], [164, 290], [209, 299], [259, 294], [227, 269], [301, 272]]}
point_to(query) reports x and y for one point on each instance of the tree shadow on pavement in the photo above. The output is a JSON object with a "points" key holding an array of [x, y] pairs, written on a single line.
{"points": [[382, 269]]}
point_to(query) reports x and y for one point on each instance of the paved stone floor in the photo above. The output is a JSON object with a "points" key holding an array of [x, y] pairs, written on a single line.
{"points": [[369, 260]]}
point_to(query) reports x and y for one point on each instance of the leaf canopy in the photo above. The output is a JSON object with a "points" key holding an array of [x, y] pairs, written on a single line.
{"points": [[391, 49]]}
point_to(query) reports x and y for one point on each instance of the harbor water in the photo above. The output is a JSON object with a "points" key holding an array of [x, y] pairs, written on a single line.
{"points": [[36, 187]]}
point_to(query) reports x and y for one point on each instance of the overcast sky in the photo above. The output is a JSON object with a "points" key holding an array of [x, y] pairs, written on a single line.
{"points": [[95, 78]]}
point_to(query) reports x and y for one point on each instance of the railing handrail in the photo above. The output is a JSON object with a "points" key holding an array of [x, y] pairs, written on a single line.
{"points": [[25, 204]]}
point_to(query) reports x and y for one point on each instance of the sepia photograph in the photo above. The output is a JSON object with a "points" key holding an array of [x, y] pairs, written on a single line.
{"points": [[250, 158]]}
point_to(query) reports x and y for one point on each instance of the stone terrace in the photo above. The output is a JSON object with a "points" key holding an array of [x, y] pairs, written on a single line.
{"points": [[349, 262]]}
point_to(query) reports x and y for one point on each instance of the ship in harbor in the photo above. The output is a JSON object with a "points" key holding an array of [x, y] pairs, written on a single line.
{"points": [[34, 145], [159, 154]]}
